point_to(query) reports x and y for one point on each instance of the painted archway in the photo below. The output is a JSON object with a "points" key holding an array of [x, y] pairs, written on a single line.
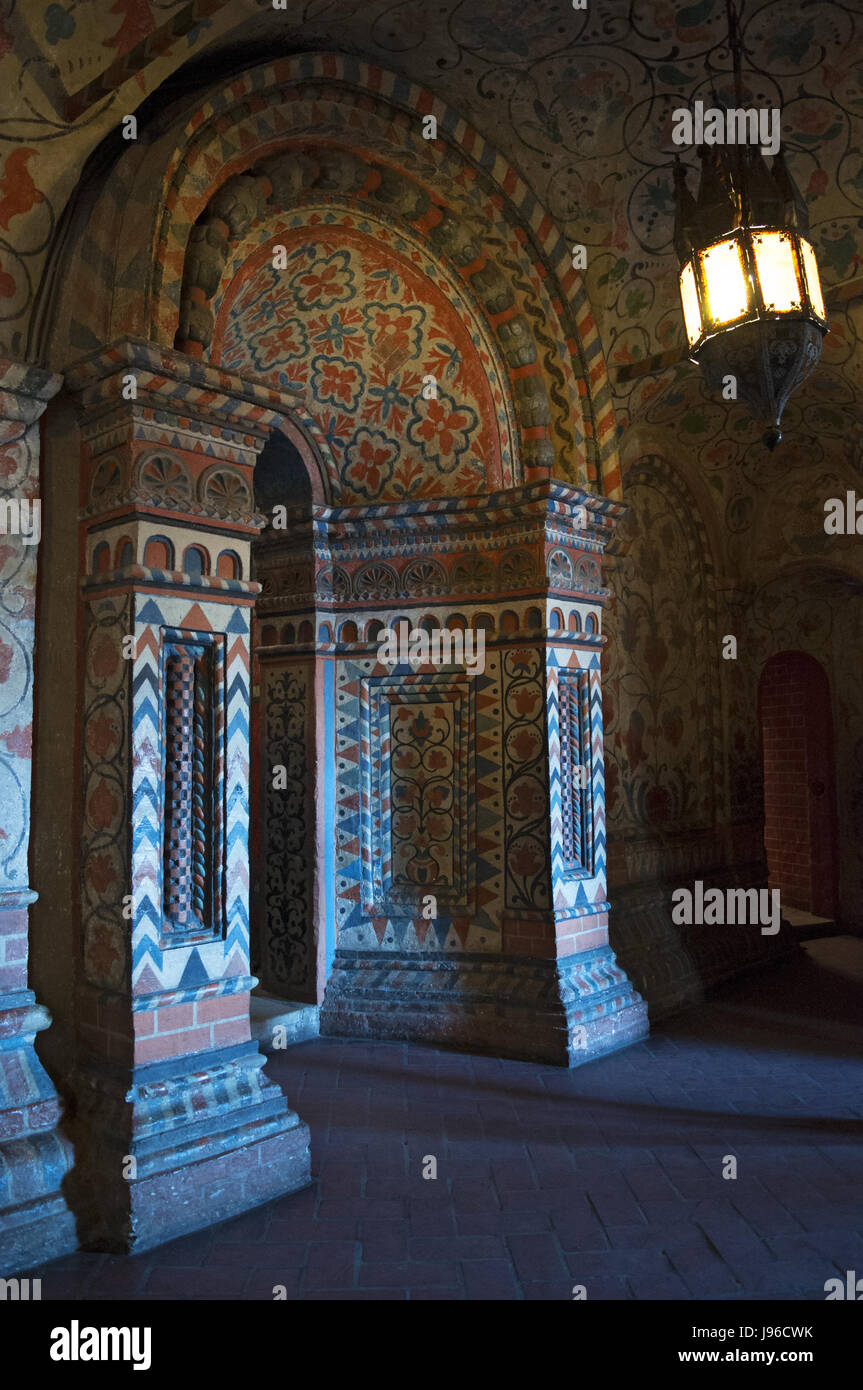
{"points": [[320, 136]]}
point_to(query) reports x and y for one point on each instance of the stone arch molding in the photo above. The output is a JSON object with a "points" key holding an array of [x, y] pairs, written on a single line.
{"points": [[336, 132]]}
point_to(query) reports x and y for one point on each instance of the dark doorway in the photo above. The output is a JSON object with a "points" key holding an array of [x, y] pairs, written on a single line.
{"points": [[800, 826]]}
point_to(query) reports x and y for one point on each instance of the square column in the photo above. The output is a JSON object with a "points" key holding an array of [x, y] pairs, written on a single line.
{"points": [[469, 878], [177, 1125], [35, 1222]]}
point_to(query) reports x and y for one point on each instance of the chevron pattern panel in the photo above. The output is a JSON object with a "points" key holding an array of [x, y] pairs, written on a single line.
{"points": [[193, 848], [576, 798], [577, 814], [163, 625]]}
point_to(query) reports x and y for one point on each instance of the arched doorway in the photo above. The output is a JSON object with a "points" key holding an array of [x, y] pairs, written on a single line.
{"points": [[800, 824], [288, 947]]}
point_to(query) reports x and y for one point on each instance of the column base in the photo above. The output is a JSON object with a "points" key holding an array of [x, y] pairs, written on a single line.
{"points": [[42, 1229], [565, 1012], [167, 1151], [35, 1222]]}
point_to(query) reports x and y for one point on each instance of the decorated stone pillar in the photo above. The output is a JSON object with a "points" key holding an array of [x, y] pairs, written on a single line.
{"points": [[470, 878], [176, 1124], [35, 1222]]}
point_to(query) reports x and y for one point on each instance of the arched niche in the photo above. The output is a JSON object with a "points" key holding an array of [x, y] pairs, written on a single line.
{"points": [[320, 136]]}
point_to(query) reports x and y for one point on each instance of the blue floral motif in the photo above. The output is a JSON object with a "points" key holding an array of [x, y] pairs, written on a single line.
{"points": [[334, 332], [389, 397]]}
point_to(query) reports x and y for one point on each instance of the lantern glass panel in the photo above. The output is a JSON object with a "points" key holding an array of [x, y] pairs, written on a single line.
{"points": [[727, 288], [689, 298], [813, 279], [776, 268]]}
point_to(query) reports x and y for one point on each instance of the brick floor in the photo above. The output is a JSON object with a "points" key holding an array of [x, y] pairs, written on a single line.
{"points": [[609, 1176]]}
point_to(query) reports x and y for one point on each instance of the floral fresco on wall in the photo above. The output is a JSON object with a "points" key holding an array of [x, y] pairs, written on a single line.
{"points": [[660, 677], [407, 396]]}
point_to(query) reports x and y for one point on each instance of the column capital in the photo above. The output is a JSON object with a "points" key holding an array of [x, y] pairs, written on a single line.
{"points": [[200, 392], [25, 390]]}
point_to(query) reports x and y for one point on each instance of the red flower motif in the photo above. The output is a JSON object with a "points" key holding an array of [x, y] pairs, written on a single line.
{"points": [[18, 192], [101, 735], [524, 744], [393, 333], [5, 662], [655, 654], [18, 741], [526, 801], [7, 284], [101, 952], [812, 119], [657, 804], [101, 872], [525, 701], [102, 807], [105, 658], [370, 461], [338, 382], [525, 861], [443, 424], [319, 284]]}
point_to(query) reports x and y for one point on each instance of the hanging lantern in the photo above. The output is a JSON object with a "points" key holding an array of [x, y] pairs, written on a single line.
{"points": [[749, 284]]}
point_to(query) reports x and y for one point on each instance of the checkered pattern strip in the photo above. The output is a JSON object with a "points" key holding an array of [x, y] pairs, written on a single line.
{"points": [[179, 703]]}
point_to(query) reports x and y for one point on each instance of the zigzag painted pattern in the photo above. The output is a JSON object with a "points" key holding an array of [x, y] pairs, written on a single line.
{"points": [[154, 966]]}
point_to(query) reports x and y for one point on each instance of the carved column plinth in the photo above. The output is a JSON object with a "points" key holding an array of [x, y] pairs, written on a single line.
{"points": [[177, 1125], [469, 875], [35, 1223]]}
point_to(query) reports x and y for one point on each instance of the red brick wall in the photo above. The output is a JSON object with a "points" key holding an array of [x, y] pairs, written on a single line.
{"points": [[799, 782]]}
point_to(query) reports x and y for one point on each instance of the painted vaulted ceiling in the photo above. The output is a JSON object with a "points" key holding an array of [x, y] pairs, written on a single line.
{"points": [[581, 103]]}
